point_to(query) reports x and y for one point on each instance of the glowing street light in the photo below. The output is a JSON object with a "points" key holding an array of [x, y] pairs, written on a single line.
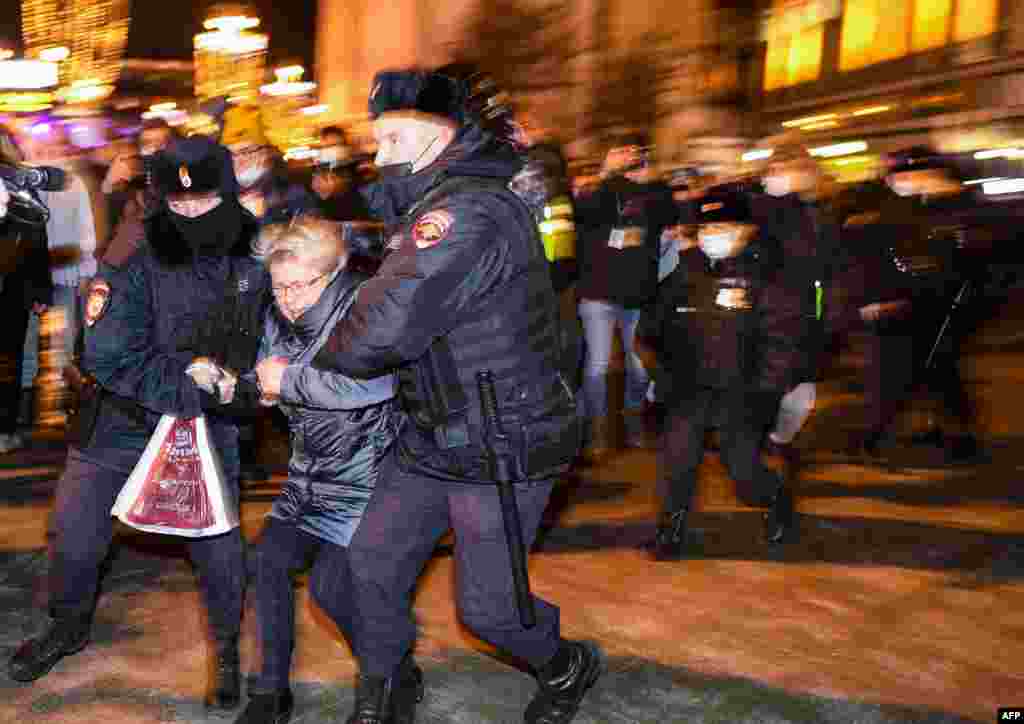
{"points": [[27, 74], [289, 82], [231, 18], [55, 55]]}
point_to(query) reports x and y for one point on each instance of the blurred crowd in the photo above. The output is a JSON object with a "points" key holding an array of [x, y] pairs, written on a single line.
{"points": [[906, 258]]}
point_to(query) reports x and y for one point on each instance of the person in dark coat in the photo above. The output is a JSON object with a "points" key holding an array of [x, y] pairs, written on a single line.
{"points": [[192, 290], [796, 218], [919, 272], [466, 291], [726, 327], [618, 231], [25, 288], [341, 430], [334, 180]]}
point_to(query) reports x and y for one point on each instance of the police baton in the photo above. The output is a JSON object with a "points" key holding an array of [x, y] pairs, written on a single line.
{"points": [[954, 306], [499, 458]]}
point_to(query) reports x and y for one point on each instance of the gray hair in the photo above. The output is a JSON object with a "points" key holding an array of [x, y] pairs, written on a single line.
{"points": [[306, 239]]}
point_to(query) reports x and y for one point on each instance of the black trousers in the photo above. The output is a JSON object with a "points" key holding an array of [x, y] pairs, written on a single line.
{"points": [[12, 347], [83, 530], [895, 369], [282, 550], [406, 516], [741, 433]]}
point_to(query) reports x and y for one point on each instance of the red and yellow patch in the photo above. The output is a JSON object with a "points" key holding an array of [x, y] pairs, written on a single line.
{"points": [[97, 301], [431, 228]]}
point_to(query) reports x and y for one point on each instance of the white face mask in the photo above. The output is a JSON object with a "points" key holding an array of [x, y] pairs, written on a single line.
{"points": [[721, 243], [776, 185], [251, 175], [333, 155], [903, 188]]}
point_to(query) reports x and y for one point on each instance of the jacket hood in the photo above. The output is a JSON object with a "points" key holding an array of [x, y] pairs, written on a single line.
{"points": [[474, 152]]}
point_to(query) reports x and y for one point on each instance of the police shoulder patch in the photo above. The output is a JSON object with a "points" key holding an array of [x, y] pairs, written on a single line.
{"points": [[432, 228], [97, 301]]}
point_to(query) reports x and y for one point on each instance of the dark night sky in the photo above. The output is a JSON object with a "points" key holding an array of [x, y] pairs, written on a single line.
{"points": [[163, 29]]}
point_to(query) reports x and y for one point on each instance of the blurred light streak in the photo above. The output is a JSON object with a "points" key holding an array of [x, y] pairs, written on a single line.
{"points": [[871, 111], [300, 152], [797, 122], [55, 55], [27, 74], [1004, 186], [820, 126], [231, 23], [839, 149], [758, 154]]}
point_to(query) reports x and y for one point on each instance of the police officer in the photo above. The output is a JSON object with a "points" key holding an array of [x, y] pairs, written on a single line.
{"points": [[725, 327], [920, 272], [543, 185], [191, 291], [467, 290]]}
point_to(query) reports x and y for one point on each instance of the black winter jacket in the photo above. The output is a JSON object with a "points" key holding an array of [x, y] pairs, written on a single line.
{"points": [[733, 324]]}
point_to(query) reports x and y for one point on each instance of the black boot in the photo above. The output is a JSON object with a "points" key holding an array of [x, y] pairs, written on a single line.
{"points": [[871, 444], [780, 520], [273, 708], [390, 700], [35, 657], [670, 540], [962, 449], [564, 682], [226, 686]]}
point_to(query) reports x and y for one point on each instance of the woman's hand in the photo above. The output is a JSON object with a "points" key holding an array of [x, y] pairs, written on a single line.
{"points": [[213, 379]]}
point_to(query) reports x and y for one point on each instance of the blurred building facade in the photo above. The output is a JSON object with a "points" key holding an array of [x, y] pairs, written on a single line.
{"points": [[597, 67], [892, 73]]}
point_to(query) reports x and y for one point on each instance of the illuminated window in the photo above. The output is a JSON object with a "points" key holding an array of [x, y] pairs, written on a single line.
{"points": [[794, 50], [975, 19], [931, 24], [878, 30]]}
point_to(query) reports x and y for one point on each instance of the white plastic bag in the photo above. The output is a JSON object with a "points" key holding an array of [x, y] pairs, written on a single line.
{"points": [[178, 485]]}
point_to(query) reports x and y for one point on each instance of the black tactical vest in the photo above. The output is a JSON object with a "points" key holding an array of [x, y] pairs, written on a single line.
{"points": [[513, 334]]}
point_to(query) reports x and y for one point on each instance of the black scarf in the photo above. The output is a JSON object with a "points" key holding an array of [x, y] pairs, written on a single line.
{"points": [[213, 233]]}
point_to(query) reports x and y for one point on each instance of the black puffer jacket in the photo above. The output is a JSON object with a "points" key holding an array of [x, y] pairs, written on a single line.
{"points": [[730, 325], [341, 428]]}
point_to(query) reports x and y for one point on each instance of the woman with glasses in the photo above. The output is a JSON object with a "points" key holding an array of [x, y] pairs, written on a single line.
{"points": [[341, 429]]}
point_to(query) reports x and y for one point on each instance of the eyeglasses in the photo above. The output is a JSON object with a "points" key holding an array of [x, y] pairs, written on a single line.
{"points": [[297, 287]]}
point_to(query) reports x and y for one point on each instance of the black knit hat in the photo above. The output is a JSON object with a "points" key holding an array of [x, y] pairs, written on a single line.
{"points": [[195, 164], [725, 205], [916, 158]]}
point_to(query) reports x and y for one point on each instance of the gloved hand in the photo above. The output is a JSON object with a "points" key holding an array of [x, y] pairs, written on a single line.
{"points": [[218, 382], [5, 198]]}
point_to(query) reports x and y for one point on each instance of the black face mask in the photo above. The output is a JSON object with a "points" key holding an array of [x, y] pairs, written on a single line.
{"points": [[214, 232], [403, 168]]}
